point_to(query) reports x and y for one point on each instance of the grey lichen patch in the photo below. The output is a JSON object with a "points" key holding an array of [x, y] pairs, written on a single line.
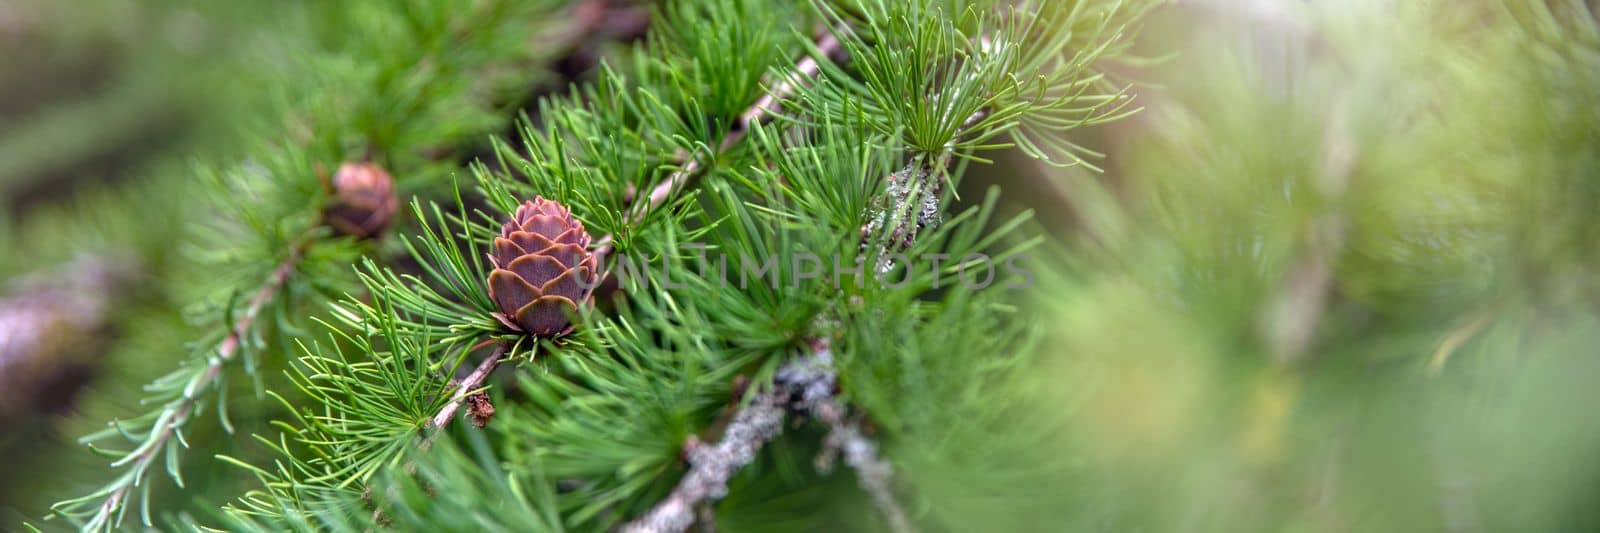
{"points": [[910, 204]]}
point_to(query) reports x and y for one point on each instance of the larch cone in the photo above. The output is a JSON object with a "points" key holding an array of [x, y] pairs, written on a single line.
{"points": [[543, 268]]}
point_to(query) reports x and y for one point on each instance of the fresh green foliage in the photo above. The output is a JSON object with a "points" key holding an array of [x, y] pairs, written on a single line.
{"points": [[609, 407], [369, 408], [395, 83], [1339, 275], [956, 78], [484, 497]]}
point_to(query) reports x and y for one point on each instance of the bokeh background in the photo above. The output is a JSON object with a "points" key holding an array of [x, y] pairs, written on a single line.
{"points": [[1338, 275]]}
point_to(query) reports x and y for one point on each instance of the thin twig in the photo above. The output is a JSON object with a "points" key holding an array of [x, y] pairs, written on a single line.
{"points": [[804, 386], [759, 421], [1454, 340], [761, 112], [861, 453], [711, 466], [182, 407], [914, 204], [468, 385], [845, 435]]}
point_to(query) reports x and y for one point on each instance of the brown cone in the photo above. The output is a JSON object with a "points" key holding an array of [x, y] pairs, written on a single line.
{"points": [[364, 202], [543, 268]]}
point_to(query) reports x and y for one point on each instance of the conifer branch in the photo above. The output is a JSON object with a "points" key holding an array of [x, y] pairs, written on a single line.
{"points": [[805, 379], [761, 419], [760, 113], [861, 453], [177, 412], [806, 386], [844, 435], [914, 203]]}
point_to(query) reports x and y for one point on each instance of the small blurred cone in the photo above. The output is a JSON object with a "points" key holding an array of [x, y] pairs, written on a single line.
{"points": [[364, 202]]}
